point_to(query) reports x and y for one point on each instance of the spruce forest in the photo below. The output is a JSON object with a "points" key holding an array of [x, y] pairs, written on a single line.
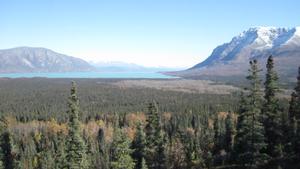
{"points": [[254, 128]]}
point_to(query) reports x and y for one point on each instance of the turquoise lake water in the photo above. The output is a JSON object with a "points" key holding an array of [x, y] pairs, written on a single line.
{"points": [[151, 75]]}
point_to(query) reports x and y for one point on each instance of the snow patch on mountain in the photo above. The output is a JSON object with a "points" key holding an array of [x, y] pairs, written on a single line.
{"points": [[295, 39], [27, 62], [252, 43]]}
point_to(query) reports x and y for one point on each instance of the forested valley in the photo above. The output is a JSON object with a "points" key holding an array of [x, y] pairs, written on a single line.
{"points": [[134, 128]]}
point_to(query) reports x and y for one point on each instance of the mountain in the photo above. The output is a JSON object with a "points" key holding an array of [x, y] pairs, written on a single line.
{"points": [[28, 59], [128, 67], [231, 60], [116, 66]]}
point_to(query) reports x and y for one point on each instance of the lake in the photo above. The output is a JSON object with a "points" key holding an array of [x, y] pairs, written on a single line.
{"points": [[148, 75]]}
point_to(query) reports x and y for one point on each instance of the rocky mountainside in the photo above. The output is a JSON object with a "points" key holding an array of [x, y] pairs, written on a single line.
{"points": [[28, 59], [230, 60]]}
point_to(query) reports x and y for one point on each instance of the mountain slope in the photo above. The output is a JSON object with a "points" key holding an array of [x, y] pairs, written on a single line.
{"points": [[28, 59], [128, 67], [230, 60]]}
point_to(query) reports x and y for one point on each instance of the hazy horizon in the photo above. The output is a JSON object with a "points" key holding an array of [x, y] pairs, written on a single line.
{"points": [[148, 33]]}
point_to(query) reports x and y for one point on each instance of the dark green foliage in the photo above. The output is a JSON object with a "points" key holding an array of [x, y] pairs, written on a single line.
{"points": [[230, 129], [155, 143], [121, 152], [76, 149], [9, 152], [46, 160], [294, 115], [45, 153], [161, 153], [193, 157], [218, 137], [8, 148], [103, 155], [138, 146], [2, 129], [43, 99], [144, 165], [271, 111], [250, 140], [60, 157]]}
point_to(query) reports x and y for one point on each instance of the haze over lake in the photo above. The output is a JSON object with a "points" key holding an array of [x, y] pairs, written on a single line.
{"points": [[147, 75]]}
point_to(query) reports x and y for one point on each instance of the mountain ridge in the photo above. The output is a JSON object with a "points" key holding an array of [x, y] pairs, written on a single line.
{"points": [[231, 59], [37, 59], [118, 66]]}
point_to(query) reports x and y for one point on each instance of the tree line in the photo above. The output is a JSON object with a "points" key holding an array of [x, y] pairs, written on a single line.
{"points": [[260, 134]]}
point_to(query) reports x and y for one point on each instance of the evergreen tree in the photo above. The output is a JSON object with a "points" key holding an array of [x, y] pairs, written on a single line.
{"points": [[103, 150], [250, 134], [60, 157], [155, 148], [138, 146], [46, 160], [1, 151], [218, 139], [144, 165], [1, 165], [293, 126], [161, 152], [76, 149], [46, 153], [230, 130], [120, 151], [272, 115], [191, 147], [8, 154], [294, 115], [238, 146]]}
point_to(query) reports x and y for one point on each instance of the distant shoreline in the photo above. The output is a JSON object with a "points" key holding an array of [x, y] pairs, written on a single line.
{"points": [[91, 75]]}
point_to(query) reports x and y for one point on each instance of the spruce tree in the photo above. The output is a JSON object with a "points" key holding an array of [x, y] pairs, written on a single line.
{"points": [[1, 151], [218, 139], [121, 152], [240, 127], [144, 165], [103, 150], [76, 149], [294, 115], [272, 115], [8, 154], [60, 158], [155, 141], [45, 152], [250, 134], [138, 145], [46, 160], [230, 132], [161, 152], [191, 148]]}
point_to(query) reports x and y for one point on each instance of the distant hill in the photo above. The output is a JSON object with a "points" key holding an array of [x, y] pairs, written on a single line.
{"points": [[230, 61], [128, 67], [29, 59]]}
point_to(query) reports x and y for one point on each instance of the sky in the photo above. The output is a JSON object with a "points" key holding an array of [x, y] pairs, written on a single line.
{"points": [[154, 33]]}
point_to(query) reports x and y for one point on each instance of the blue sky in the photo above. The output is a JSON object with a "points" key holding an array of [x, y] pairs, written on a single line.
{"points": [[169, 33]]}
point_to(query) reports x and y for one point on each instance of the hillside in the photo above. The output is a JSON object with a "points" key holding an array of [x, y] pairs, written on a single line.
{"points": [[28, 59], [230, 60]]}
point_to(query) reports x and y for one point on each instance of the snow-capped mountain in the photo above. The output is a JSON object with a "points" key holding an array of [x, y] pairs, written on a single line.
{"points": [[231, 59], [28, 59]]}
